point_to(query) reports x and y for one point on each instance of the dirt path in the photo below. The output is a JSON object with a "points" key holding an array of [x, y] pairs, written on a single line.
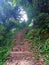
{"points": [[20, 53]]}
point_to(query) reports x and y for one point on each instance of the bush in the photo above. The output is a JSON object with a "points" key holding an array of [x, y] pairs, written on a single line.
{"points": [[39, 36]]}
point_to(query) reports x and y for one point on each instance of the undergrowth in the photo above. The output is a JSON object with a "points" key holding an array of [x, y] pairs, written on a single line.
{"points": [[39, 36]]}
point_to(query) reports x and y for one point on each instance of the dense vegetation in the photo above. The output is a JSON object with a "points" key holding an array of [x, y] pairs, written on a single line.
{"points": [[39, 34], [38, 15], [9, 25]]}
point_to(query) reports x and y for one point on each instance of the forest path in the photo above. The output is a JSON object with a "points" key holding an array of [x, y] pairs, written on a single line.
{"points": [[20, 53]]}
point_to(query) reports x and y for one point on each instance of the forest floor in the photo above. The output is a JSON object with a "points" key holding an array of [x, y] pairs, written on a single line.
{"points": [[21, 53]]}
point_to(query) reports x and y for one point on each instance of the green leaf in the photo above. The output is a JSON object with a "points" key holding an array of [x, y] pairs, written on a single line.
{"points": [[1, 37], [14, 2]]}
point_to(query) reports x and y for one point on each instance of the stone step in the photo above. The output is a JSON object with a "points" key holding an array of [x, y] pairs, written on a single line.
{"points": [[20, 48], [20, 62], [20, 52], [21, 55]]}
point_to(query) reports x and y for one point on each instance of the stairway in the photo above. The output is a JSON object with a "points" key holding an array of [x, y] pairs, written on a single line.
{"points": [[20, 53]]}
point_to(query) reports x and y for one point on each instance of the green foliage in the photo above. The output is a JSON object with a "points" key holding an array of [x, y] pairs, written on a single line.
{"points": [[14, 1], [6, 44], [6, 39], [1, 63], [46, 46], [39, 35], [38, 9], [46, 58], [29, 35], [42, 20]]}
